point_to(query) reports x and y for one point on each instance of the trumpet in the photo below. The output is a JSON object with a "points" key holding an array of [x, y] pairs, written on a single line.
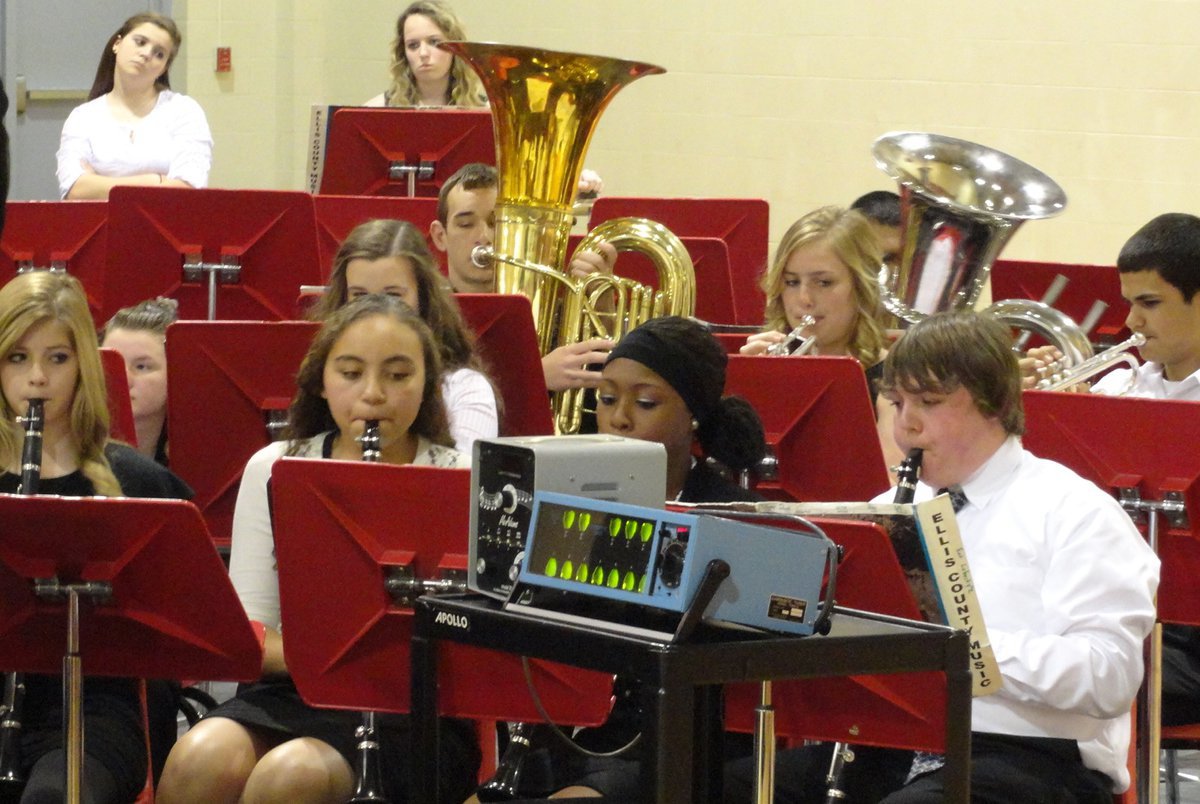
{"points": [[795, 343], [11, 778], [1082, 372], [369, 783]]}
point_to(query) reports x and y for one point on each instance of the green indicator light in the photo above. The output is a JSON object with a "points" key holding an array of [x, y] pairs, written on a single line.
{"points": [[568, 570], [568, 519], [581, 574], [647, 531], [551, 568], [598, 576], [614, 579], [631, 529], [642, 585], [628, 582], [585, 521], [614, 527]]}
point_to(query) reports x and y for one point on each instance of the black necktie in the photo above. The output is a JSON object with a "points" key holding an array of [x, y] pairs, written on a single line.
{"points": [[957, 498]]}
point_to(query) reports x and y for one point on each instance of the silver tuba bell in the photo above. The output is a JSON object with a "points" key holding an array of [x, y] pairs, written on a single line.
{"points": [[960, 203]]}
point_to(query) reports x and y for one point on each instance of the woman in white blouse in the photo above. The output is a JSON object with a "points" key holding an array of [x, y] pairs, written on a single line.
{"points": [[134, 130]]}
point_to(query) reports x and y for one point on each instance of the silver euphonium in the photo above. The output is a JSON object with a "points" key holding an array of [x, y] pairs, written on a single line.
{"points": [[906, 487], [960, 203], [368, 783], [11, 777], [796, 343]]}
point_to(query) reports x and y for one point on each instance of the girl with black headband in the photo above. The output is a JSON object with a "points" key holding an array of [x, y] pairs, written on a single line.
{"points": [[664, 382]]}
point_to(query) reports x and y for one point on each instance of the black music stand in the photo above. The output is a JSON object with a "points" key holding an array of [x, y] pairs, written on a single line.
{"points": [[229, 254], [402, 151], [818, 419], [349, 619], [228, 382], [69, 236], [507, 342], [742, 223], [1143, 451], [136, 560]]}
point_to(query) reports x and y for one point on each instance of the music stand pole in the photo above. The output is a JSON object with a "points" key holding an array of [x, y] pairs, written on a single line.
{"points": [[1149, 715]]}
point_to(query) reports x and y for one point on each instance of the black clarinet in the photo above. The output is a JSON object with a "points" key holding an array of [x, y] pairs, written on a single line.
{"points": [[503, 784], [369, 785], [11, 778], [906, 487]]}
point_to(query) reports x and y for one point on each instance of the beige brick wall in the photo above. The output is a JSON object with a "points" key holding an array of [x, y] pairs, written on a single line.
{"points": [[778, 99]]}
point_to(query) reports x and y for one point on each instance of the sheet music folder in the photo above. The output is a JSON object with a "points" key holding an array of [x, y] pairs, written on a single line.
{"points": [[172, 614], [342, 529]]}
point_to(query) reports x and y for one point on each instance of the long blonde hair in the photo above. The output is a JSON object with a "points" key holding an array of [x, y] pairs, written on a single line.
{"points": [[465, 88], [38, 296], [851, 238]]}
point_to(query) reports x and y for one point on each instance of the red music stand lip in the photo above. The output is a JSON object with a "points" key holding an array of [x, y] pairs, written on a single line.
{"points": [[362, 143], [803, 402], [507, 341], [351, 645], [173, 612]]}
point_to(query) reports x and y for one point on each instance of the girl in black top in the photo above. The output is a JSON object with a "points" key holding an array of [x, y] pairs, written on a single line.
{"points": [[49, 352]]}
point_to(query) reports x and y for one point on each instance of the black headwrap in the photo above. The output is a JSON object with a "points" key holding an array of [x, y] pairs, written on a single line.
{"points": [[691, 377]]}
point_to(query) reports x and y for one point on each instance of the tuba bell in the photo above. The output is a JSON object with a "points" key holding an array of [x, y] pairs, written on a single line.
{"points": [[960, 204], [545, 106]]}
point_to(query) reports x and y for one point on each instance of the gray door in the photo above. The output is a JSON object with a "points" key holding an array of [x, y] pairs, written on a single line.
{"points": [[50, 52]]}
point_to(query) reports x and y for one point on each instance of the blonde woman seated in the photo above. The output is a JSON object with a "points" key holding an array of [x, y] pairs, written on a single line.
{"points": [[827, 267]]}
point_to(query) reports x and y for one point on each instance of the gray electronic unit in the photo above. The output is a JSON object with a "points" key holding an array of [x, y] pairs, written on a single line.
{"points": [[506, 472]]}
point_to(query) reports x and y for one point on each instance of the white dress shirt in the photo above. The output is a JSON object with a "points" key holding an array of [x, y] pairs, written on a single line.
{"points": [[252, 554], [173, 140], [470, 406], [1066, 585], [1149, 383]]}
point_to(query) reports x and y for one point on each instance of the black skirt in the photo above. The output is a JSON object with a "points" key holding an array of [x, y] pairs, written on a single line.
{"points": [[276, 708]]}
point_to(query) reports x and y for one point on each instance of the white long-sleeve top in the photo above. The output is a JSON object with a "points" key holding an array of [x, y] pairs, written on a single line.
{"points": [[1149, 383], [470, 406], [173, 140], [252, 555], [1066, 586]]}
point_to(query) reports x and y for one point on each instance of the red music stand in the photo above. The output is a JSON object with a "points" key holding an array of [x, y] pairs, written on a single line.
{"points": [[120, 409], [402, 151], [741, 222], [818, 419], [348, 645], [889, 711], [129, 562], [229, 254], [1023, 279], [228, 384], [1143, 451], [503, 326], [337, 215], [69, 236]]}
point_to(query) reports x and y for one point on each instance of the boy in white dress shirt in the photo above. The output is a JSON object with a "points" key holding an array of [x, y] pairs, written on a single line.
{"points": [[1065, 581]]}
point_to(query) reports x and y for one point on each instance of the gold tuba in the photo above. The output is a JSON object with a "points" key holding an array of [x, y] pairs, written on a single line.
{"points": [[545, 106], [960, 203]]}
